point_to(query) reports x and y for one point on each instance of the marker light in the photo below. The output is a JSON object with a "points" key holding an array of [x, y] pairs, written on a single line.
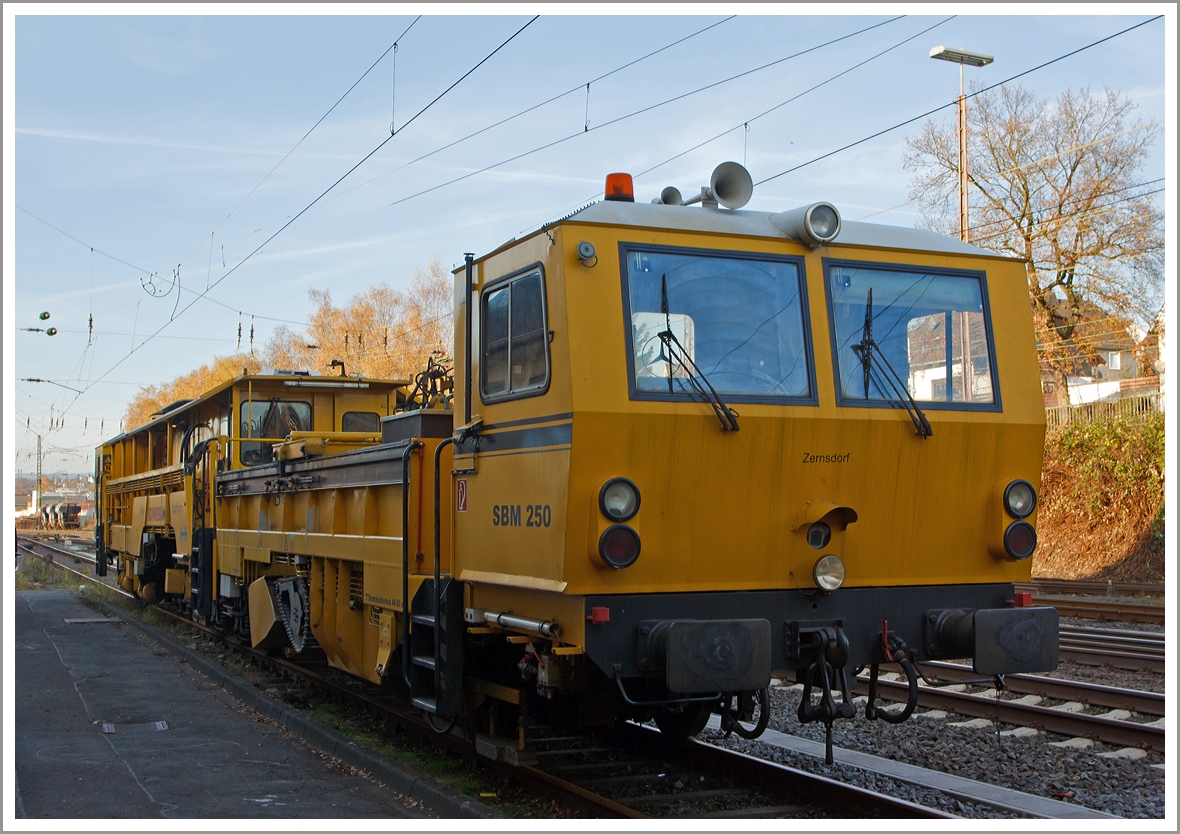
{"points": [[619, 546], [620, 188], [828, 572], [1020, 540], [619, 499], [1020, 499]]}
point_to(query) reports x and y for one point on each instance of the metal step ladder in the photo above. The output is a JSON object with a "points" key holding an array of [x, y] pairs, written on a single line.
{"points": [[436, 648]]}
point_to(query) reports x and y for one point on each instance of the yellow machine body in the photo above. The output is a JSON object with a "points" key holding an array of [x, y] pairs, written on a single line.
{"points": [[718, 508]]}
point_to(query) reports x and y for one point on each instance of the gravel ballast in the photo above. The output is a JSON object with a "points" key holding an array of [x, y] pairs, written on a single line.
{"points": [[1031, 764]]}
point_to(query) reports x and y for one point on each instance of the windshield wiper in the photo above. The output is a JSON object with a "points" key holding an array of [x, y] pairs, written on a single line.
{"points": [[674, 351], [886, 382]]}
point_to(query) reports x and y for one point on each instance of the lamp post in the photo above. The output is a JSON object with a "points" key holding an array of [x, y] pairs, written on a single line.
{"points": [[975, 59]]}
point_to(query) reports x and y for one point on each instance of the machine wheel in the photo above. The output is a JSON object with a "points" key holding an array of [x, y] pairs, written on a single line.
{"points": [[687, 722]]}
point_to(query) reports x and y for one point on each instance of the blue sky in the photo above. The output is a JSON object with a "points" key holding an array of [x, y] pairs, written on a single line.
{"points": [[140, 132]]}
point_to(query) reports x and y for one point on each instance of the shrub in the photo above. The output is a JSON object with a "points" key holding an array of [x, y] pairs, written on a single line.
{"points": [[1101, 512]]}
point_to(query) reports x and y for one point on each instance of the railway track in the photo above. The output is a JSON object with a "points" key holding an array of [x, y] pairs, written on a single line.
{"points": [[1135, 650], [635, 774], [1067, 718], [1092, 587], [1094, 609], [631, 774]]}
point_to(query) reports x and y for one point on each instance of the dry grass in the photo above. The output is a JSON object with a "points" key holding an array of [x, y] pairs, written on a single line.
{"points": [[1101, 514], [38, 574]]}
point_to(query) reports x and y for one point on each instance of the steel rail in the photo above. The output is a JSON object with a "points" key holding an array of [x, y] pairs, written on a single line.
{"points": [[1150, 648], [85, 557], [814, 787], [1090, 586], [1119, 660], [1094, 694], [1157, 636], [1128, 612], [1108, 730], [642, 753], [1124, 638]]}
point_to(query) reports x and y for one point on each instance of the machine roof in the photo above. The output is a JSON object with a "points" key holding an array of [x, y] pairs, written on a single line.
{"points": [[757, 224]]}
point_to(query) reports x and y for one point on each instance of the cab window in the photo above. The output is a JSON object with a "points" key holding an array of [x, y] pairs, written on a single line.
{"points": [[925, 329], [272, 420], [515, 356], [734, 320]]}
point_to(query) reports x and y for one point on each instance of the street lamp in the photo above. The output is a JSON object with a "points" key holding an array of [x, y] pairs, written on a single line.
{"points": [[974, 59]]}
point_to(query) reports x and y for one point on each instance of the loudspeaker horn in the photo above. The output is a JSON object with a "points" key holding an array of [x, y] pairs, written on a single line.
{"points": [[670, 196], [732, 185]]}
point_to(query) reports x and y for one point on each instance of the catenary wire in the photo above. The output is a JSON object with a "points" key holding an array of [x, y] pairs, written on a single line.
{"points": [[317, 199], [560, 140], [953, 103], [300, 142], [765, 112]]}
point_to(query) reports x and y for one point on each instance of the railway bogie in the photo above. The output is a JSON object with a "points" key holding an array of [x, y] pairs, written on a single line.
{"points": [[686, 448]]}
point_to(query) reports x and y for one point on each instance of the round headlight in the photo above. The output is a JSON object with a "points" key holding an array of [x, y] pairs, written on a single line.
{"points": [[1020, 540], [825, 223], [1020, 499], [619, 546], [619, 499], [828, 572], [818, 535]]}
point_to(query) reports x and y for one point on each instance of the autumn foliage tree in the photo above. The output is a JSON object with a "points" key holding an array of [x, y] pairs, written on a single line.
{"points": [[381, 332], [1058, 184], [152, 398]]}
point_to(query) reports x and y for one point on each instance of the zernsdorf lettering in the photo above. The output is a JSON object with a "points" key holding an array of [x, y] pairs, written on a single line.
{"points": [[808, 457]]}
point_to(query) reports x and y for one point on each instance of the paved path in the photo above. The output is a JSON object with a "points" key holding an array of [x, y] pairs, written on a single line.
{"points": [[109, 725]]}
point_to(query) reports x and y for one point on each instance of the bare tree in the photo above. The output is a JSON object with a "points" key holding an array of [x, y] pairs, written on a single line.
{"points": [[1058, 184]]}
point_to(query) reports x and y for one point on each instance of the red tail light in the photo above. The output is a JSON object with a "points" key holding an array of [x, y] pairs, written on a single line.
{"points": [[619, 546], [1020, 540]]}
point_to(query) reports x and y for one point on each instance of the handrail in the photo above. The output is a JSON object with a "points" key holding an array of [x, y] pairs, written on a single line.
{"points": [[406, 452], [437, 563]]}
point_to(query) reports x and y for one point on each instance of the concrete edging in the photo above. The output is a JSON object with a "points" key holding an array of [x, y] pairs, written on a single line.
{"points": [[408, 781]]}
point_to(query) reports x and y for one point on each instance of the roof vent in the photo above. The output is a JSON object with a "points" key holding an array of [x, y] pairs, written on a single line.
{"points": [[172, 406]]}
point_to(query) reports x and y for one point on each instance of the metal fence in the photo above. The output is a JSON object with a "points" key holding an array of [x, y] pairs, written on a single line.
{"points": [[1135, 407]]}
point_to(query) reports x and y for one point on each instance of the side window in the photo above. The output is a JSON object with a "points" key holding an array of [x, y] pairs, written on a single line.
{"points": [[367, 421], [514, 355]]}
